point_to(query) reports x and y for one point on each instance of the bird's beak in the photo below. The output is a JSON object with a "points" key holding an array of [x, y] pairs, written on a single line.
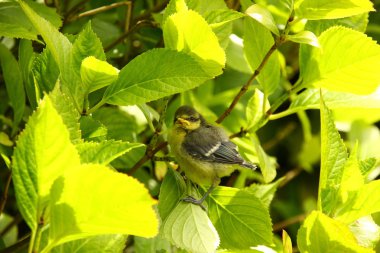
{"points": [[182, 122]]}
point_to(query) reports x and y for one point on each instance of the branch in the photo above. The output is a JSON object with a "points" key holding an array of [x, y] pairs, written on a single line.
{"points": [[245, 87], [148, 155], [283, 224], [125, 35], [5, 194], [157, 8]]}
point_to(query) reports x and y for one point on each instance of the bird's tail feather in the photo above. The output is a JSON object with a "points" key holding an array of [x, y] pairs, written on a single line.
{"points": [[249, 165]]}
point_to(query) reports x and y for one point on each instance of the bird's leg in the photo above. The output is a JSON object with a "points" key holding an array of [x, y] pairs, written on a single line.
{"points": [[198, 202]]}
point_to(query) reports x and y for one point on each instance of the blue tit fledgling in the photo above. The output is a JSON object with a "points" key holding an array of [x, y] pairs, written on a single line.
{"points": [[203, 151]]}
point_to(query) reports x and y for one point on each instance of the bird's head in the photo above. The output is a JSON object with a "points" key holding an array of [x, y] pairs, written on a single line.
{"points": [[188, 118]]}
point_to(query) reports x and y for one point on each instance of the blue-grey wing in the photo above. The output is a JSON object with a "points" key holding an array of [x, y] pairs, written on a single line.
{"points": [[208, 144]]}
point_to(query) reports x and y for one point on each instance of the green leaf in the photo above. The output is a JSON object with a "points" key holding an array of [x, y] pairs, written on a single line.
{"points": [[104, 152], [366, 231], [87, 44], [367, 165], [264, 17], [147, 245], [61, 49], [94, 200], [267, 165], [265, 192], [240, 218], [26, 58], [45, 71], [66, 110], [14, 23], [97, 74], [357, 22], [172, 189], [304, 37], [189, 227], [286, 242], [366, 202], [173, 7], [166, 72], [235, 55], [333, 159], [257, 42], [325, 9], [118, 124], [346, 61], [14, 84], [321, 234], [310, 99], [43, 152], [255, 111], [92, 129], [188, 31], [220, 17], [94, 244]]}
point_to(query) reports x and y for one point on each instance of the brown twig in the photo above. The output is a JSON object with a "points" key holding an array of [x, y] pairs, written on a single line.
{"points": [[290, 175], [245, 87], [148, 155], [157, 8], [239, 134], [283, 224], [128, 33], [4, 197]]}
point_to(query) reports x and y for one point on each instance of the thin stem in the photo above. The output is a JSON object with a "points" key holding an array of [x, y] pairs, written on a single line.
{"points": [[147, 157], [101, 9], [5, 194], [245, 87], [283, 224], [159, 7], [139, 24], [96, 107]]}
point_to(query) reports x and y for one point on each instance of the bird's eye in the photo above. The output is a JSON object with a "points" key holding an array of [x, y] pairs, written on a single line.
{"points": [[192, 119]]}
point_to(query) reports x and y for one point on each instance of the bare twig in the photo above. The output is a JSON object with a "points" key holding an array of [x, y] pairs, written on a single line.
{"points": [[159, 7], [283, 224], [245, 87], [290, 175], [128, 33], [4, 197], [148, 155]]}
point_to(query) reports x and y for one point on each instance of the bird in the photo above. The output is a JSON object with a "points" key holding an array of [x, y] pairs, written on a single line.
{"points": [[203, 151]]}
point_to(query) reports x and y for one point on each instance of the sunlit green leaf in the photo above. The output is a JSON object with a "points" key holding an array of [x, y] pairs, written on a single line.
{"points": [[188, 32], [257, 42], [366, 231], [265, 192], [86, 44], [103, 152], [165, 73], [333, 236], [43, 152], [333, 159], [349, 67], [366, 202], [156, 244], [94, 200], [240, 218], [286, 242], [97, 74], [304, 37], [264, 17], [61, 49], [66, 110], [220, 17], [189, 227], [256, 109], [325, 9]]}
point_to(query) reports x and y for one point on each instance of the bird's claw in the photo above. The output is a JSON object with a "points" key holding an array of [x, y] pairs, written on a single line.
{"points": [[192, 200]]}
